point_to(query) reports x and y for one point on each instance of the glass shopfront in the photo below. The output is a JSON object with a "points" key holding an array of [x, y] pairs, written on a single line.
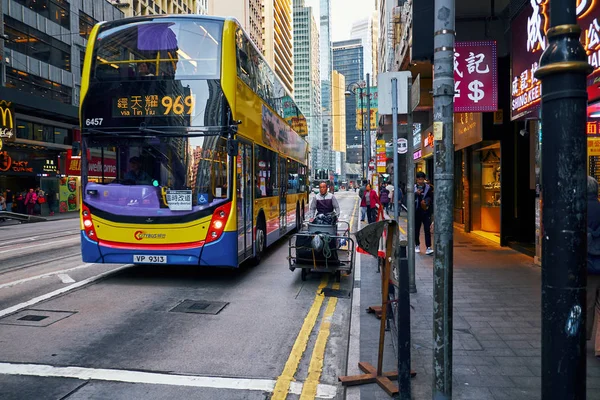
{"points": [[486, 193]]}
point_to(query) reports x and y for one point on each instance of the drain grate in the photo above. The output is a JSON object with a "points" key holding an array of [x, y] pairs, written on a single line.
{"points": [[200, 307], [39, 318], [328, 292], [33, 318]]}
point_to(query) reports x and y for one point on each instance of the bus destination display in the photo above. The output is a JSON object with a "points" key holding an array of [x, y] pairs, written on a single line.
{"points": [[153, 105]]}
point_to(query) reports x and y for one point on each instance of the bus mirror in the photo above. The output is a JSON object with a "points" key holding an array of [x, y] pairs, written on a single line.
{"points": [[76, 149], [232, 147]]}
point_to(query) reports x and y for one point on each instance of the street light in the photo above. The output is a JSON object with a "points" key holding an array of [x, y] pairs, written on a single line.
{"points": [[351, 90]]}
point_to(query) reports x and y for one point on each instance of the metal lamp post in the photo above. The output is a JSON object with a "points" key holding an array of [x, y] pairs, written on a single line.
{"points": [[351, 89]]}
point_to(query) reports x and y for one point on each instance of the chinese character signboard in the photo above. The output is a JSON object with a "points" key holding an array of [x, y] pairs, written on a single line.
{"points": [[361, 112], [152, 105], [529, 41], [381, 156], [475, 77]]}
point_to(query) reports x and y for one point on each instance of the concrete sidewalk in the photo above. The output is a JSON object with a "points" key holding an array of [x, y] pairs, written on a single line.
{"points": [[497, 325]]}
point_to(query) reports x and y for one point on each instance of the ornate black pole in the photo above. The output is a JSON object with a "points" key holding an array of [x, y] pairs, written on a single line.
{"points": [[563, 70]]}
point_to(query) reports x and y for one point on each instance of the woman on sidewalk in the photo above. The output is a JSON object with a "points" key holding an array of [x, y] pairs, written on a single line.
{"points": [[384, 197], [593, 256], [372, 203]]}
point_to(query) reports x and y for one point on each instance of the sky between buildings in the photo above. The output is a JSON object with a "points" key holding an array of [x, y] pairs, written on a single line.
{"points": [[343, 14]]}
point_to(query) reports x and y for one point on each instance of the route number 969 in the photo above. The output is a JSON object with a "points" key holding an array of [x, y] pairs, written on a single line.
{"points": [[94, 121]]}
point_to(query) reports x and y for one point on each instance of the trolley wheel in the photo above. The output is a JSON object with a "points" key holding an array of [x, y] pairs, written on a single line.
{"points": [[303, 273], [338, 276]]}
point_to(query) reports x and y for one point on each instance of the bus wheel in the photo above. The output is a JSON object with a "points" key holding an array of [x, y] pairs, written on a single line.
{"points": [[298, 220], [259, 244]]}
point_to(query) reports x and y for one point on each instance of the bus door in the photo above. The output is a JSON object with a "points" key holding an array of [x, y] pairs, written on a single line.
{"points": [[283, 184], [244, 200]]}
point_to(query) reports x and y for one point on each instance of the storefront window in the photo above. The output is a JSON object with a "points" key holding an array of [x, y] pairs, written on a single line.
{"points": [[38, 132], [61, 136], [490, 193]]}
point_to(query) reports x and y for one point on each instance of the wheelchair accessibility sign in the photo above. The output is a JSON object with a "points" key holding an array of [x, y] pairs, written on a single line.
{"points": [[202, 198]]}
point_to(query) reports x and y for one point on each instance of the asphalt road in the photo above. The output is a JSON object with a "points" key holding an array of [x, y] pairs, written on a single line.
{"points": [[70, 330]]}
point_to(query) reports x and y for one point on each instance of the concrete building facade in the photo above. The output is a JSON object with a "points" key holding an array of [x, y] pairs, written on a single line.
{"points": [[326, 66], [278, 39], [247, 12], [134, 8]]}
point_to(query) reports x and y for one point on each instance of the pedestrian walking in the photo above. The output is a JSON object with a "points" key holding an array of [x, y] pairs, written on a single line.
{"points": [[9, 200], [390, 189], [384, 197], [30, 201], [423, 208], [361, 196], [593, 256], [2, 205], [372, 203]]}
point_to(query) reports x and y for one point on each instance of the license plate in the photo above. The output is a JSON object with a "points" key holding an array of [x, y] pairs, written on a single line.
{"points": [[139, 259]]}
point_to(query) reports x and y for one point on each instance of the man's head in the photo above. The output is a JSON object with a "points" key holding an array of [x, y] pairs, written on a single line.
{"points": [[143, 69], [421, 178], [135, 163], [323, 188]]}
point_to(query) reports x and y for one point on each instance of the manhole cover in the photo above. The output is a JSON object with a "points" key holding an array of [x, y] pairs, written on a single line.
{"points": [[39, 318], [328, 292], [200, 307]]}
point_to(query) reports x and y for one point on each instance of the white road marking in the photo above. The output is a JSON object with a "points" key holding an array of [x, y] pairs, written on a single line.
{"points": [[64, 278], [74, 239], [353, 392], [155, 378], [58, 292], [28, 239], [33, 278]]}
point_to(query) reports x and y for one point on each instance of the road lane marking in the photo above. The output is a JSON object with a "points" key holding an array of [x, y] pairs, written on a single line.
{"points": [[46, 275], [282, 386], [64, 278], [156, 378], [58, 292], [74, 239], [309, 391]]}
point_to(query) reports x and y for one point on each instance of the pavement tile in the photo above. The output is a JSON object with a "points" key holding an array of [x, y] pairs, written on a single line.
{"points": [[471, 393], [515, 394], [482, 381], [528, 352], [527, 381], [519, 344], [493, 344], [503, 370]]}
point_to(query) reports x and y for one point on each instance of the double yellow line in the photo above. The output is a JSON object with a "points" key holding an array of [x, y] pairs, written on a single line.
{"points": [[315, 368]]}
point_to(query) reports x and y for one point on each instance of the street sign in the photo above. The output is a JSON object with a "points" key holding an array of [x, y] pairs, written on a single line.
{"points": [[402, 146], [384, 85], [415, 94]]}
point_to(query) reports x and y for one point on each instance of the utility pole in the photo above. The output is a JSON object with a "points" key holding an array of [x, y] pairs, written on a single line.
{"points": [[443, 128], [563, 71], [410, 191], [368, 124], [362, 136]]}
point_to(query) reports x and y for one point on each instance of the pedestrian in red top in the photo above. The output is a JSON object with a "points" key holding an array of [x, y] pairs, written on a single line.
{"points": [[372, 203], [30, 201]]}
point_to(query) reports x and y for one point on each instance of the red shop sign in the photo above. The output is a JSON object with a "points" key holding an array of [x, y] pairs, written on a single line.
{"points": [[95, 166], [475, 77]]}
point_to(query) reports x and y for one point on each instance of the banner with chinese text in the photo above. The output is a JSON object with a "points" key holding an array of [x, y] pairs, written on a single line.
{"points": [[475, 77], [361, 112]]}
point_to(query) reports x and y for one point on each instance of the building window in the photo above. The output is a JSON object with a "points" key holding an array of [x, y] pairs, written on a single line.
{"points": [[36, 44], [38, 86], [86, 23], [55, 10], [43, 133]]}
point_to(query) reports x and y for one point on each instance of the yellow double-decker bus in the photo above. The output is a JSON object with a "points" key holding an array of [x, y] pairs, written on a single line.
{"points": [[196, 145]]}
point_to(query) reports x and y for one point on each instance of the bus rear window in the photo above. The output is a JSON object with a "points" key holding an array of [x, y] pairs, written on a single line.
{"points": [[159, 49]]}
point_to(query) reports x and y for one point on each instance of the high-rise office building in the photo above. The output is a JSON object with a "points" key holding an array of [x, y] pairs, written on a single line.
{"points": [[367, 30], [247, 12], [307, 81], [39, 96], [133, 8], [278, 39], [328, 159], [348, 60]]}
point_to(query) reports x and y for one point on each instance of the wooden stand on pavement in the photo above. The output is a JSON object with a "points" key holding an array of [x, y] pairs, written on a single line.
{"points": [[372, 375]]}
